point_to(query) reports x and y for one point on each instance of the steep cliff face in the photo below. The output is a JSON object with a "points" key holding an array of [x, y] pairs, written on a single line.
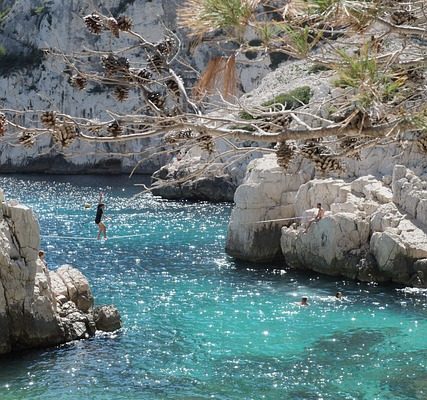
{"points": [[38, 308], [33, 79]]}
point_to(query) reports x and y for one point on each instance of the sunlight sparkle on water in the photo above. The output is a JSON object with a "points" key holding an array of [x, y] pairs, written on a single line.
{"points": [[197, 324]]}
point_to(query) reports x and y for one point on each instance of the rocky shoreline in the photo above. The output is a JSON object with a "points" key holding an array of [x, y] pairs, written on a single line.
{"points": [[38, 307], [373, 230]]}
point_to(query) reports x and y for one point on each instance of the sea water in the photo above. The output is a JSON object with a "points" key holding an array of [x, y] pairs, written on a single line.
{"points": [[198, 324]]}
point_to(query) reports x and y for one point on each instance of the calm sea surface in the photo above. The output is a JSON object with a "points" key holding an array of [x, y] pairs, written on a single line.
{"points": [[198, 325]]}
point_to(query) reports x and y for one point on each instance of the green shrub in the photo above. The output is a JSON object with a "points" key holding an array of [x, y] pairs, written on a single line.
{"points": [[293, 99], [3, 13], [39, 10], [246, 116]]}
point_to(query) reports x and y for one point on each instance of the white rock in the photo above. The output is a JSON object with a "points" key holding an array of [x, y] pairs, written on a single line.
{"points": [[31, 298], [387, 248]]}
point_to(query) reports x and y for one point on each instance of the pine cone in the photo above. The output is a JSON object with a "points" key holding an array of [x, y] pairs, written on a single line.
{"points": [[173, 87], [349, 143], [157, 99], [93, 23], [142, 75], [3, 122], [400, 17], [326, 163], [64, 134], [114, 128], [422, 143], [184, 134], [113, 26], [313, 142], [48, 119], [206, 143], [156, 63], [166, 46], [27, 139], [284, 154], [113, 64], [121, 93], [312, 150], [79, 81], [124, 23], [174, 136]]}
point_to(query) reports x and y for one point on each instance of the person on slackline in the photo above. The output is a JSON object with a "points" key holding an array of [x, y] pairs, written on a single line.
{"points": [[102, 229]]}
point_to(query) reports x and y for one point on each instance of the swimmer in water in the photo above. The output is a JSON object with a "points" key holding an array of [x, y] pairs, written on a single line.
{"points": [[304, 301]]}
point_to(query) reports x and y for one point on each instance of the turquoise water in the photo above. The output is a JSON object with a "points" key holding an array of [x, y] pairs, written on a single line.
{"points": [[198, 325]]}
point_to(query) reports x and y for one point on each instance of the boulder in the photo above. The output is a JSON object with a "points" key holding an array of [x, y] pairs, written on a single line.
{"points": [[173, 182], [390, 253], [410, 193], [76, 285], [76, 323], [324, 191], [370, 232], [332, 246], [107, 318]]}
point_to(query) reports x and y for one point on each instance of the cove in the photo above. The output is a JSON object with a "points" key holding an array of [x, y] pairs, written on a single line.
{"points": [[199, 325]]}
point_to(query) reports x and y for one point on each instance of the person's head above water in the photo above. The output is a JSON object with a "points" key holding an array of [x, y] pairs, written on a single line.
{"points": [[304, 300]]}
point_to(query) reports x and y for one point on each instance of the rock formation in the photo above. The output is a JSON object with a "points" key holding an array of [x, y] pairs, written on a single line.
{"points": [[39, 308], [29, 30], [373, 230], [266, 194], [180, 179]]}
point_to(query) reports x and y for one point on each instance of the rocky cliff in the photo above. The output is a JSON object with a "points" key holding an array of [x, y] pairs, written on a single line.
{"points": [[31, 78], [374, 229], [38, 307]]}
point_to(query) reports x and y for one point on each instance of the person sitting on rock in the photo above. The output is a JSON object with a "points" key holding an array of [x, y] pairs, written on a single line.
{"points": [[320, 214], [42, 257], [99, 213]]}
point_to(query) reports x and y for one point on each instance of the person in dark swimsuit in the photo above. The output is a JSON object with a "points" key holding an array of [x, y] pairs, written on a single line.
{"points": [[99, 213]]}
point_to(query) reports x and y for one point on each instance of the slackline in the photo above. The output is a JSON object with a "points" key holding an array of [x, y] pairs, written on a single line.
{"points": [[276, 220], [88, 238]]}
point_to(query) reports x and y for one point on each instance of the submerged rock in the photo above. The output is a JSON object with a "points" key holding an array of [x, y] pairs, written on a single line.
{"points": [[38, 307]]}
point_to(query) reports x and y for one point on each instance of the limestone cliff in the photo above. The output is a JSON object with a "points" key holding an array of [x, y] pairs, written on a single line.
{"points": [[31, 78], [373, 230], [39, 308]]}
